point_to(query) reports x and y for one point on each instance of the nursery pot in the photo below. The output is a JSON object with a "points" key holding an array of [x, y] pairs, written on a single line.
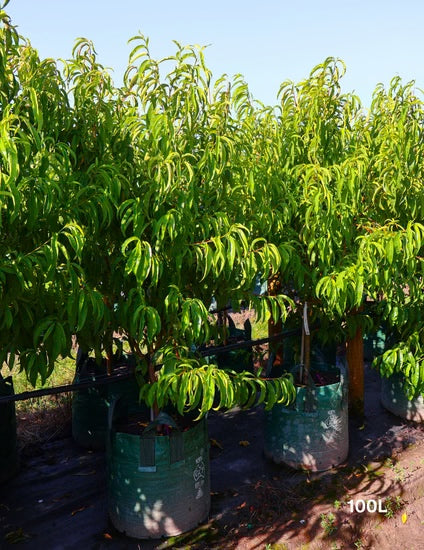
{"points": [[238, 360], [312, 433], [374, 344], [158, 485], [8, 448], [320, 355], [393, 398], [89, 408], [90, 405]]}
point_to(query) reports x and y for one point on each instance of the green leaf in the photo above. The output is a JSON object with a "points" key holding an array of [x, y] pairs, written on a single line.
{"points": [[82, 311]]}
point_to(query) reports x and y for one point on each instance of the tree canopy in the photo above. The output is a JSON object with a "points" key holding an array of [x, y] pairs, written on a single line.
{"points": [[128, 209]]}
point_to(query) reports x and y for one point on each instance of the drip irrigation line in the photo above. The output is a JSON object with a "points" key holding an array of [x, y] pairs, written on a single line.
{"points": [[89, 383], [215, 311], [108, 379], [249, 343]]}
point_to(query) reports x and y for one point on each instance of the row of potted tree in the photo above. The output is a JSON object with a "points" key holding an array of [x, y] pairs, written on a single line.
{"points": [[127, 210]]}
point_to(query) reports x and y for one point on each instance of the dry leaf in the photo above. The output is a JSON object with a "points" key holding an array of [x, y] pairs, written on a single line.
{"points": [[244, 443], [14, 537], [216, 443], [79, 510]]}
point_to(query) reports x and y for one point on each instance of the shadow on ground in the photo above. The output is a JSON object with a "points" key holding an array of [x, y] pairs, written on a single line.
{"points": [[256, 503], [58, 500]]}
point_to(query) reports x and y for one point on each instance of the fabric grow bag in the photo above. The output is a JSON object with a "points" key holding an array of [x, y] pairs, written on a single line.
{"points": [[8, 445], [90, 405], [158, 485], [394, 399], [238, 360], [90, 408], [321, 355], [312, 433], [374, 344]]}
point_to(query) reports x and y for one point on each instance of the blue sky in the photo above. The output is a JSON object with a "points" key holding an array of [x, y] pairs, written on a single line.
{"points": [[268, 41]]}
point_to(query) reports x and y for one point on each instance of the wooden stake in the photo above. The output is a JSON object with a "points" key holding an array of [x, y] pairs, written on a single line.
{"points": [[306, 346], [355, 360], [307, 365]]}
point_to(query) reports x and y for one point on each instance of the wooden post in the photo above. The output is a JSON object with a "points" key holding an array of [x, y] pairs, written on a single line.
{"points": [[305, 353], [307, 361], [355, 361]]}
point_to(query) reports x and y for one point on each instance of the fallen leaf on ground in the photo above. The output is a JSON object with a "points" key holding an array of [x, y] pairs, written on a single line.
{"points": [[216, 443], [58, 499], [244, 443], [78, 510], [14, 537], [404, 518]]}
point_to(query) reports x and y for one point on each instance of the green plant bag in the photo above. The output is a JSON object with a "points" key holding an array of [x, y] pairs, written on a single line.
{"points": [[374, 344], [393, 399], [90, 406], [158, 485], [238, 360], [312, 433], [8, 447], [320, 355]]}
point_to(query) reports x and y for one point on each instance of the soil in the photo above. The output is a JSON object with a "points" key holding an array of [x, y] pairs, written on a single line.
{"points": [[58, 501], [325, 379], [288, 510], [135, 424]]}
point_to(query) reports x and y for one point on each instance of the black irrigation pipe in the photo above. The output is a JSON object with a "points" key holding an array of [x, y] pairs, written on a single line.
{"points": [[92, 382], [249, 343], [215, 311], [108, 379]]}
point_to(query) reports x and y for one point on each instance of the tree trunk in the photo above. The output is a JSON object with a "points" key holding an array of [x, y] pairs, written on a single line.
{"points": [[274, 288]]}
